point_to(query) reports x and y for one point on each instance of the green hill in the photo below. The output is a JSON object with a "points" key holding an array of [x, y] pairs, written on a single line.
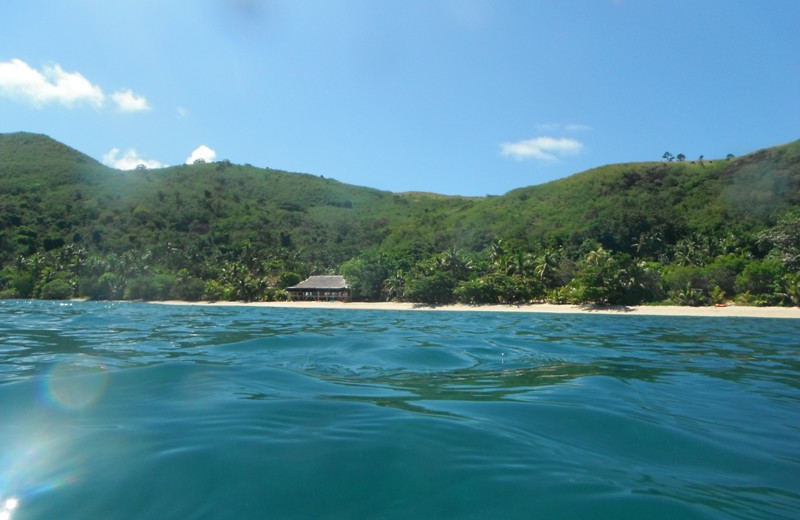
{"points": [[615, 204], [51, 192], [225, 230]]}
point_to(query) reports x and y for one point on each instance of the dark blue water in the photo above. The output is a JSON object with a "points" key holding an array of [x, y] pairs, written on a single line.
{"points": [[117, 411]]}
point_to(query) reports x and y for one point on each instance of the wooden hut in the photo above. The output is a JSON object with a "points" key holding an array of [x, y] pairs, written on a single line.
{"points": [[327, 288]]}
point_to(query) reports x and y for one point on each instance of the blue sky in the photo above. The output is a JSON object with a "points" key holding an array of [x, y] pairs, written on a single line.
{"points": [[466, 97]]}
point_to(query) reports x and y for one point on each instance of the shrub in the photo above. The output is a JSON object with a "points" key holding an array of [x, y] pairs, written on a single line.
{"points": [[718, 295], [760, 278], [679, 278], [791, 288], [23, 284], [365, 274], [602, 277], [109, 287], [189, 289], [8, 294], [288, 278], [493, 288], [58, 289], [722, 272], [436, 287], [216, 291], [688, 296], [158, 287]]}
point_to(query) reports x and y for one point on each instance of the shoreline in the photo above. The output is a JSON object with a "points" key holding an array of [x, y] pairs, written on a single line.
{"points": [[731, 311]]}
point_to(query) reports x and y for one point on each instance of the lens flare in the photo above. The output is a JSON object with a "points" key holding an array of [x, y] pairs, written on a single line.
{"points": [[74, 385], [9, 505]]}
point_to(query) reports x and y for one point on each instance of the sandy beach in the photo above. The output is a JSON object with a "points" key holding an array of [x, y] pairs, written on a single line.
{"points": [[642, 310]]}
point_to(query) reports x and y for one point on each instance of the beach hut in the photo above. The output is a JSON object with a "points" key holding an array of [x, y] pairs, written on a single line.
{"points": [[327, 288]]}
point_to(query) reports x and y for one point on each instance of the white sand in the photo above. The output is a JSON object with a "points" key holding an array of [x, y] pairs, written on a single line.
{"points": [[643, 310]]}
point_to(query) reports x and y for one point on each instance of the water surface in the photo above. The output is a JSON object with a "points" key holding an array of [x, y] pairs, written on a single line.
{"points": [[124, 410]]}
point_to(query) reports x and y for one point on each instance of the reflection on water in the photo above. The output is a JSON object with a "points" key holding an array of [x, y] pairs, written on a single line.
{"points": [[190, 412]]}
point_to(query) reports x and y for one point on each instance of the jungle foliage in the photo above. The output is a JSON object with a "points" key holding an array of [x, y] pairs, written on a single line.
{"points": [[685, 232]]}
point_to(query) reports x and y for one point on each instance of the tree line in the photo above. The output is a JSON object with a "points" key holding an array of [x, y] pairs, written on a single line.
{"points": [[762, 268]]}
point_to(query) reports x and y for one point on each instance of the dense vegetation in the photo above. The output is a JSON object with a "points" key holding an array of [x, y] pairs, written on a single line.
{"points": [[685, 232]]}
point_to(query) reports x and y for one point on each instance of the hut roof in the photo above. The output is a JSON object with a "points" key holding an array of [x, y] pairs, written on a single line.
{"points": [[322, 282]]}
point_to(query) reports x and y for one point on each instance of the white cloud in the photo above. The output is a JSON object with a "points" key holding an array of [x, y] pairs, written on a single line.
{"points": [[18, 80], [577, 127], [541, 148], [202, 152], [558, 127], [127, 101], [548, 127], [21, 82], [128, 160]]}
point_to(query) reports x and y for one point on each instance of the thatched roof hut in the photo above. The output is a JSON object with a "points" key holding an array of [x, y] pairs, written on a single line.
{"points": [[326, 288]]}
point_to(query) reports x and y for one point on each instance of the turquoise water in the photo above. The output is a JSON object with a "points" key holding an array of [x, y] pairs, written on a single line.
{"points": [[123, 410]]}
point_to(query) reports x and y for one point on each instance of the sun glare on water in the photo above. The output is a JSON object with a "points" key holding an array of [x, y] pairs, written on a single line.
{"points": [[9, 505]]}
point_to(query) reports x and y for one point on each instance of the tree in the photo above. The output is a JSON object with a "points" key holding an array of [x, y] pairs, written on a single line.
{"points": [[495, 287], [366, 275], [430, 287], [497, 251], [762, 278], [58, 289], [599, 279], [784, 239], [287, 279], [791, 288], [668, 157], [681, 157], [394, 286], [546, 268]]}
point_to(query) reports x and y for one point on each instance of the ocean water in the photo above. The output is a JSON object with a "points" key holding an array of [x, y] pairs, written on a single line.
{"points": [[132, 411]]}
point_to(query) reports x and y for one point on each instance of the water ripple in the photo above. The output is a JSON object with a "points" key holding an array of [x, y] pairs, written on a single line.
{"points": [[113, 410]]}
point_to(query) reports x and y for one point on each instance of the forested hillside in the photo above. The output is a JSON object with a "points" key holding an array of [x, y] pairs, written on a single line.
{"points": [[687, 232]]}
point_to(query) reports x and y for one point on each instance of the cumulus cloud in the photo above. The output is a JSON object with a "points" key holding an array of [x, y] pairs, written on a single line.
{"points": [[129, 160], [202, 153], [20, 81], [541, 148], [52, 84], [127, 101]]}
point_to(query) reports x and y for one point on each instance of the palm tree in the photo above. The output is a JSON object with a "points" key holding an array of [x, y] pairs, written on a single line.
{"points": [[496, 251], [597, 257], [648, 243], [520, 264], [394, 286], [545, 268]]}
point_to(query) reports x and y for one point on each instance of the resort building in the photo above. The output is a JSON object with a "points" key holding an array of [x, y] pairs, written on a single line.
{"points": [[327, 288]]}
